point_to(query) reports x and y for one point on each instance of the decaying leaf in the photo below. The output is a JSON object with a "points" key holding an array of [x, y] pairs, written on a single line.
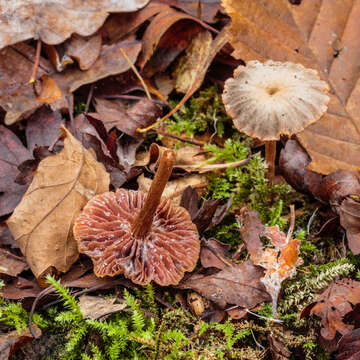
{"points": [[95, 307], [12, 341], [308, 35], [18, 97], [213, 253], [279, 261], [12, 154], [54, 21], [20, 288], [333, 304], [114, 114], [61, 187], [349, 346], [175, 188], [238, 285], [209, 214], [11, 264]]}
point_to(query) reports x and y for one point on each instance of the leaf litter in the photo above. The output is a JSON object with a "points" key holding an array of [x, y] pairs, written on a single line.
{"points": [[100, 67]]}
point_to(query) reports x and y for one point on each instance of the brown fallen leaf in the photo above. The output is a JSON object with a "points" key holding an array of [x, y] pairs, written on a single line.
{"points": [[12, 341], [332, 305], [349, 346], [18, 98], [43, 128], [209, 214], [213, 253], [20, 288], [61, 187], [114, 114], [11, 264], [53, 22], [310, 34], [84, 50], [12, 154], [204, 9], [238, 285], [95, 307], [175, 188]]}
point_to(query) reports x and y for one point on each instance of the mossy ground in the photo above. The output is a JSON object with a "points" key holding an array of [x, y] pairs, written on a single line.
{"points": [[176, 334]]}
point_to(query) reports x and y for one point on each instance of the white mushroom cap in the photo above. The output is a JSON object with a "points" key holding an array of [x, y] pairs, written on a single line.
{"points": [[268, 99]]}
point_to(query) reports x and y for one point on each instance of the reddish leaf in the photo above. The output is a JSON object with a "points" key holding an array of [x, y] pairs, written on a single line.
{"points": [[12, 153], [43, 128], [114, 114], [349, 346], [20, 288], [213, 253], [333, 304], [239, 285]]}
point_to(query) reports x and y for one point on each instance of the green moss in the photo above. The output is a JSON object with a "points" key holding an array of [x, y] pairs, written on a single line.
{"points": [[202, 112]]}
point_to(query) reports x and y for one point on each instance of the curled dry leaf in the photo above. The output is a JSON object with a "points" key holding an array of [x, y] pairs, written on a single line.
{"points": [[61, 187], [307, 34], [238, 285], [12, 154], [95, 307], [53, 22], [333, 304]]}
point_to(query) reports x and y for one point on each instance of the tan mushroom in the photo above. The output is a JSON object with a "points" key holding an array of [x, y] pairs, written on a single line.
{"points": [[140, 235], [266, 100]]}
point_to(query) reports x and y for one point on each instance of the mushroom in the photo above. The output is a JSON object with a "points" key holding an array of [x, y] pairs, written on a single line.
{"points": [[266, 100], [140, 235]]}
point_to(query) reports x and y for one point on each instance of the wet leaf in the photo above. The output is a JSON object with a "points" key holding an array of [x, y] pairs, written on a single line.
{"points": [[349, 346], [12, 153], [310, 34], [239, 285], [61, 187], [12, 341], [53, 22], [332, 305], [20, 288]]}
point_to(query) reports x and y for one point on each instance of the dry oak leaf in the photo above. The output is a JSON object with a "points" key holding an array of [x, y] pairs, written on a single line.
{"points": [[54, 21], [238, 285], [324, 35], [333, 304], [42, 222]]}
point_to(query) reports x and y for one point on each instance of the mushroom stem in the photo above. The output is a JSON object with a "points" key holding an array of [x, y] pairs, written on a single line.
{"points": [[270, 155], [143, 222]]}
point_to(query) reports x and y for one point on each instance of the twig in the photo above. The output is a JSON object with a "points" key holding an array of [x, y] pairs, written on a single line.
{"points": [[36, 63], [292, 223], [136, 73], [186, 140], [90, 95], [311, 220], [326, 223], [70, 103]]}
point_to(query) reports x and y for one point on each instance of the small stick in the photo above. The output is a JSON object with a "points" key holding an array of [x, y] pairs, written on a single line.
{"points": [[292, 223], [36, 63], [186, 140], [70, 103], [136, 73], [143, 221], [88, 100]]}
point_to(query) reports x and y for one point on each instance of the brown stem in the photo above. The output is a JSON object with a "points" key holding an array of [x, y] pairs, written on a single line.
{"points": [[270, 154], [143, 222], [36, 63]]}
